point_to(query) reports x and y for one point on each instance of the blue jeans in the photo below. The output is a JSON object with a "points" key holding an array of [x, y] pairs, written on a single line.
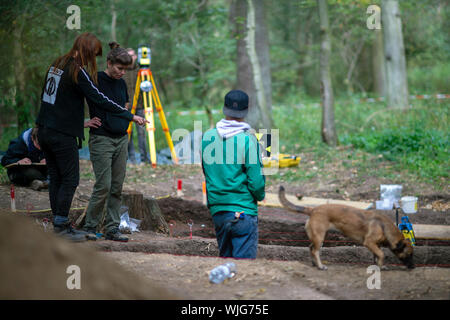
{"points": [[237, 238]]}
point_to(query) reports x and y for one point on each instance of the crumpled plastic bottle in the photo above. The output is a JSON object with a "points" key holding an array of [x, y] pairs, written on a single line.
{"points": [[222, 272]]}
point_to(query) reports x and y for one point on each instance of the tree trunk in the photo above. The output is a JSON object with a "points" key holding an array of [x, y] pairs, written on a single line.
{"points": [[253, 62], [329, 135], [113, 21], [378, 67], [145, 209], [20, 81], [394, 53]]}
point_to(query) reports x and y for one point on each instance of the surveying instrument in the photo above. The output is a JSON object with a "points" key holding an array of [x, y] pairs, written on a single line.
{"points": [[146, 84]]}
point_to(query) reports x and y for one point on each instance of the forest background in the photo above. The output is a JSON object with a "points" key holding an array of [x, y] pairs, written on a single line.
{"points": [[196, 59]]}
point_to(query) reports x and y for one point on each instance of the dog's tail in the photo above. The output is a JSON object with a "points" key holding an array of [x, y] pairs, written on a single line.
{"points": [[289, 205]]}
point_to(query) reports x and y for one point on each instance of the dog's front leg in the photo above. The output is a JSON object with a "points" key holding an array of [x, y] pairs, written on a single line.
{"points": [[377, 253]]}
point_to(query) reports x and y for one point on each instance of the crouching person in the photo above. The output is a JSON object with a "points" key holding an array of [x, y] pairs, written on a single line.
{"points": [[25, 161], [234, 180]]}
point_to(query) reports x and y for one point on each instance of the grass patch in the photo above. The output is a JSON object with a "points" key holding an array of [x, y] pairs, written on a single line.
{"points": [[374, 141], [422, 151]]}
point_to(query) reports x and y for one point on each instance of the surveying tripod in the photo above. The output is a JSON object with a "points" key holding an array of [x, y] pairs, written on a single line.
{"points": [[146, 83]]}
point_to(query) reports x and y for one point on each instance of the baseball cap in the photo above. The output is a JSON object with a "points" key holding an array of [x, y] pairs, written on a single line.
{"points": [[236, 104]]}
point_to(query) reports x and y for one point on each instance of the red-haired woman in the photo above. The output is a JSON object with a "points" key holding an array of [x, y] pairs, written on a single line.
{"points": [[69, 80]]}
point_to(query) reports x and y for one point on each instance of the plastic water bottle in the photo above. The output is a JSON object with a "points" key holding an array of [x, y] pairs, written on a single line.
{"points": [[222, 272]]}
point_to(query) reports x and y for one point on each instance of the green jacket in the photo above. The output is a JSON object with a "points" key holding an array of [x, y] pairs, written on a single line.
{"points": [[233, 172]]}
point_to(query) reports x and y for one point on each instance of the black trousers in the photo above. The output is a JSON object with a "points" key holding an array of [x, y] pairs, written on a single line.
{"points": [[61, 154]]}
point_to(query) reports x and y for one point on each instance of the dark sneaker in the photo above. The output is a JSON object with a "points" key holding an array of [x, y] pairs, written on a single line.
{"points": [[115, 235], [91, 234], [67, 232]]}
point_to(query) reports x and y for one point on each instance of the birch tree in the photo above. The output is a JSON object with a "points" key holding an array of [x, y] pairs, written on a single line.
{"points": [[328, 130], [253, 62], [394, 54]]}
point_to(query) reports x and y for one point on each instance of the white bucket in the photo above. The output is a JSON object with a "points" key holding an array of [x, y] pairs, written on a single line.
{"points": [[409, 204]]}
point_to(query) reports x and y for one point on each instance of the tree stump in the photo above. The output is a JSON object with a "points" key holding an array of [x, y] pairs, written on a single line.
{"points": [[145, 209]]}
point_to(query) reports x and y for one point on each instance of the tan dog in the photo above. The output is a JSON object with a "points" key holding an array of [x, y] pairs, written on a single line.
{"points": [[367, 227]]}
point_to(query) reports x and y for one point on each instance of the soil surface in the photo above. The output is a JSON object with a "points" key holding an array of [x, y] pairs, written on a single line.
{"points": [[179, 261]]}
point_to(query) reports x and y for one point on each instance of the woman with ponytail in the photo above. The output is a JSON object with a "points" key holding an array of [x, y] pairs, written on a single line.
{"points": [[108, 147], [69, 80]]}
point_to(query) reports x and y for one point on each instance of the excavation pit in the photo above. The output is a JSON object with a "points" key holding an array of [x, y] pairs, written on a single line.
{"points": [[282, 236]]}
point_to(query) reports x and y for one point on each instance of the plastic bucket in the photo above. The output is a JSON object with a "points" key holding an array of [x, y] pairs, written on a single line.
{"points": [[409, 204]]}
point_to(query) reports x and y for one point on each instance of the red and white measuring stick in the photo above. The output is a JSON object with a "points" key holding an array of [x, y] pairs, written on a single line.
{"points": [[180, 188], [13, 199]]}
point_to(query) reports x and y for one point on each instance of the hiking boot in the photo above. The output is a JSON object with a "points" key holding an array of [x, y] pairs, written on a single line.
{"points": [[91, 234], [67, 232], [115, 235]]}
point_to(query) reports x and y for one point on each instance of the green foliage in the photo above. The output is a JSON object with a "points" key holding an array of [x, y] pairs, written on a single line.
{"points": [[294, 49], [194, 64], [7, 135], [3, 176], [429, 79], [415, 140], [193, 48], [425, 152], [299, 125]]}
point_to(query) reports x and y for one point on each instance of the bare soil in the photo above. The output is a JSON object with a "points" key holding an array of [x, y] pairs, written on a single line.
{"points": [[179, 263]]}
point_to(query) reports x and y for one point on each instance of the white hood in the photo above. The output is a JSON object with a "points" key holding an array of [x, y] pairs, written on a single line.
{"points": [[229, 128]]}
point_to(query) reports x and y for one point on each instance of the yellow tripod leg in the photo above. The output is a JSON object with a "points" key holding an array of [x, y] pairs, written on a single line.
{"points": [[163, 120], [148, 107], [137, 89]]}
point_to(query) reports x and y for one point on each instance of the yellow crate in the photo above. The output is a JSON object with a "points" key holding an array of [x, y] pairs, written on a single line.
{"points": [[281, 160]]}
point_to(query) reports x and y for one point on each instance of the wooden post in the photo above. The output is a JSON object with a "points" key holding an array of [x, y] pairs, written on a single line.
{"points": [[428, 231]]}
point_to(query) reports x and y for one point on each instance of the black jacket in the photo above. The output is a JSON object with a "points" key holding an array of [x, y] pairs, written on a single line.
{"points": [[22, 147], [113, 124], [62, 101]]}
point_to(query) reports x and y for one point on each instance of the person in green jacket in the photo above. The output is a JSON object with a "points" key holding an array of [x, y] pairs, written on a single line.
{"points": [[234, 180]]}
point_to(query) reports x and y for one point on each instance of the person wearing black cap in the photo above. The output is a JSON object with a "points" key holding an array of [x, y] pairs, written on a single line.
{"points": [[234, 181]]}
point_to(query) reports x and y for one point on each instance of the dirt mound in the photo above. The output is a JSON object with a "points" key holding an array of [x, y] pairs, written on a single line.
{"points": [[36, 265]]}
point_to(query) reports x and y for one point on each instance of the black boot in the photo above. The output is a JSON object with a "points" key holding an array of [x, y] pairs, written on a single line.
{"points": [[115, 235]]}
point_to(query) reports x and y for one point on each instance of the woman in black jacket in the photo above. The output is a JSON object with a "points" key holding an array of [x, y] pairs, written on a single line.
{"points": [[108, 145], [70, 79]]}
